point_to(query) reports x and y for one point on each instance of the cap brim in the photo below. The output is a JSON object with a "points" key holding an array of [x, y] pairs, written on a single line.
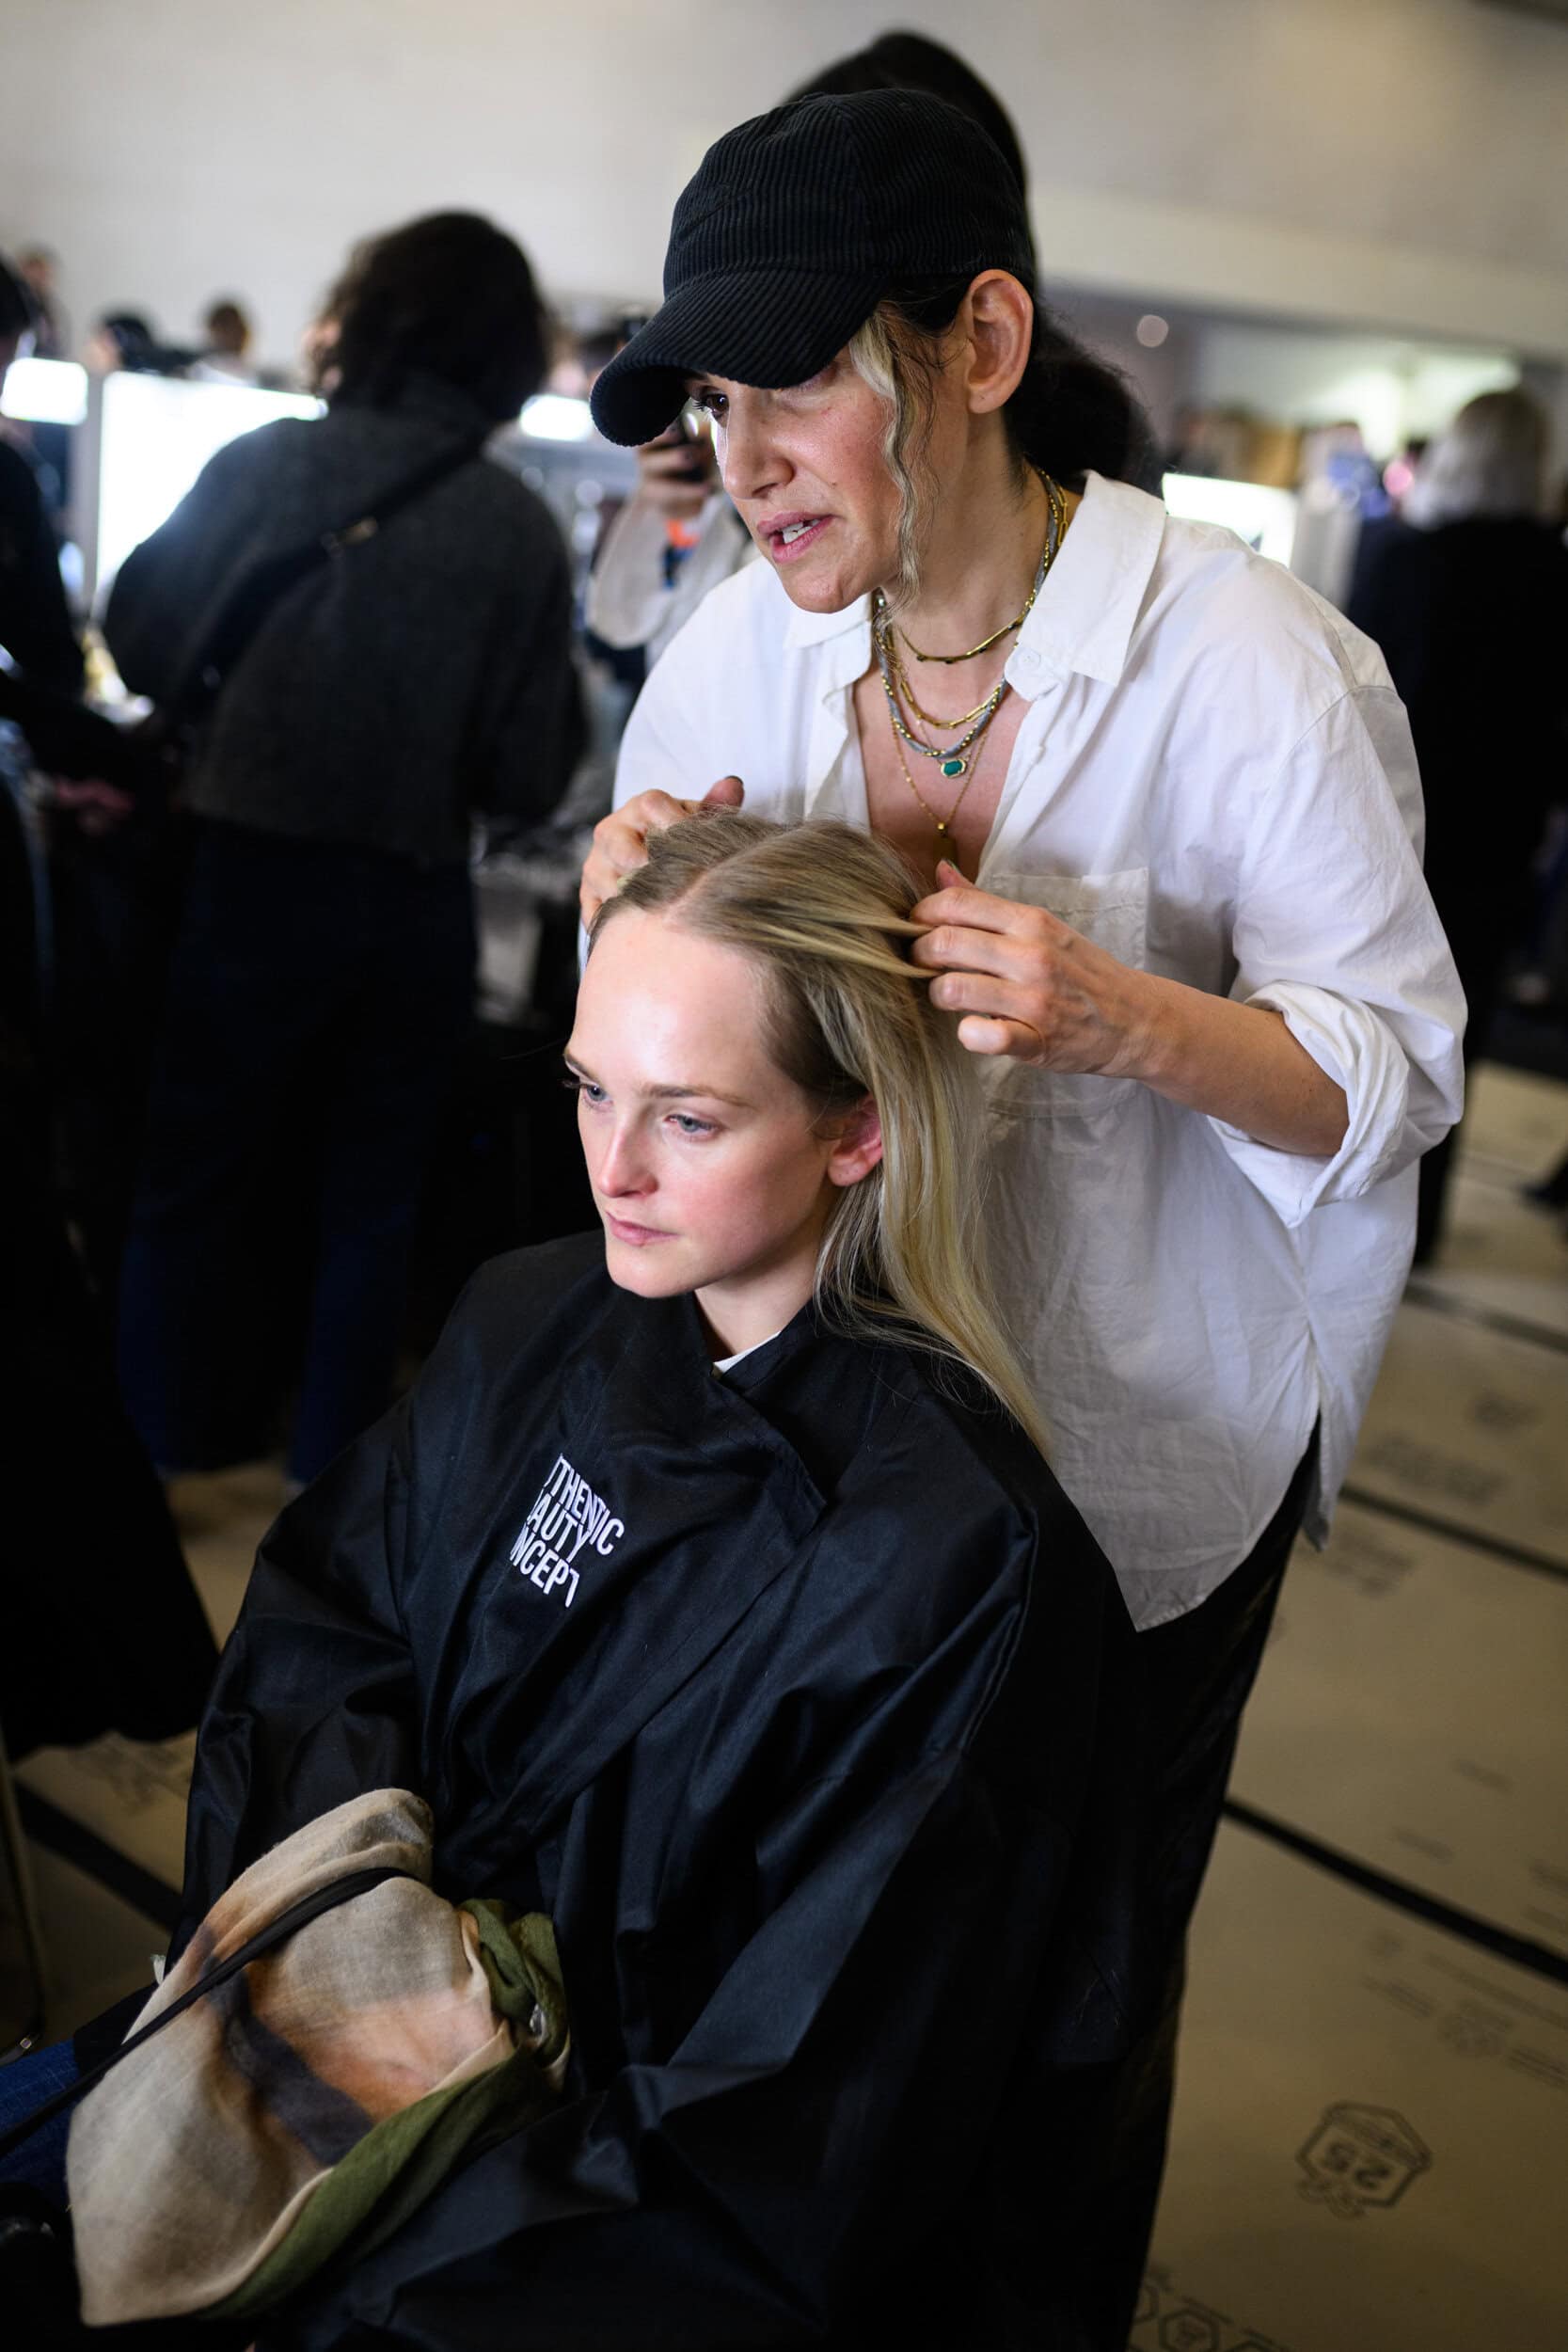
{"points": [[771, 327]]}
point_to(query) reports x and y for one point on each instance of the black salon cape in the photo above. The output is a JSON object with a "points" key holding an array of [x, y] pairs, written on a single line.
{"points": [[805, 1774]]}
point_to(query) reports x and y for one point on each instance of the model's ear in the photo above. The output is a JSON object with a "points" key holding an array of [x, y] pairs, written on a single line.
{"points": [[857, 1144]]}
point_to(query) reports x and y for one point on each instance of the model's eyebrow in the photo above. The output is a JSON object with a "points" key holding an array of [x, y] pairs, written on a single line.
{"points": [[667, 1093]]}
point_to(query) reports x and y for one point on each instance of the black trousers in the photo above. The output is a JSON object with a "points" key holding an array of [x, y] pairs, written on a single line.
{"points": [[318, 1000], [1199, 1670], [1196, 1675]]}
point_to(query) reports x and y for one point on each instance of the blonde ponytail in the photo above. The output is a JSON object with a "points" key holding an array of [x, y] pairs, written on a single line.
{"points": [[824, 909]]}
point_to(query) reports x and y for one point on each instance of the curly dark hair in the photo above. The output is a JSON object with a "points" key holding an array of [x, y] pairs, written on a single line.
{"points": [[450, 296], [897, 60], [1073, 410], [1070, 411]]}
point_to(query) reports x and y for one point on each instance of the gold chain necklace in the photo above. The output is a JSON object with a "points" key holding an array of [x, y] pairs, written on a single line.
{"points": [[928, 718], [1057, 505]]}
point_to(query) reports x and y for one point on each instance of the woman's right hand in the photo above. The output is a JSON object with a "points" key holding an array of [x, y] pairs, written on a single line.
{"points": [[620, 839]]}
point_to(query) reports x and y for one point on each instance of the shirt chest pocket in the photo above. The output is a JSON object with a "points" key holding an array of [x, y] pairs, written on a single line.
{"points": [[1112, 910]]}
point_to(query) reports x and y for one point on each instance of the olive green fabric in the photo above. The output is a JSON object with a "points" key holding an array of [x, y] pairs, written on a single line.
{"points": [[394, 2169]]}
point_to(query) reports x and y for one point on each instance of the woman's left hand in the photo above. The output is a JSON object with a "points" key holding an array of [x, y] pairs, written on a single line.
{"points": [[1027, 984]]}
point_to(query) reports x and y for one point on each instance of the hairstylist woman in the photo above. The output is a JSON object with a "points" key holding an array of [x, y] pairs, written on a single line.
{"points": [[794, 1693], [1180, 917]]}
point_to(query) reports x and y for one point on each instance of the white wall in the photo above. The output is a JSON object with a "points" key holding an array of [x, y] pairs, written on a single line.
{"points": [[1399, 162], [1392, 389]]}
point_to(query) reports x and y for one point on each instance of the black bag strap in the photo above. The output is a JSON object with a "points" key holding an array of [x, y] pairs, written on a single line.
{"points": [[288, 1922], [264, 584]]}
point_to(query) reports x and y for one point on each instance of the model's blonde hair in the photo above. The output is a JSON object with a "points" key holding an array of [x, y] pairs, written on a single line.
{"points": [[824, 909]]}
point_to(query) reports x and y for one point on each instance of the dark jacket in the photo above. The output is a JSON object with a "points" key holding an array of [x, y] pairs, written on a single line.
{"points": [[35, 622], [421, 674], [103, 1628], [1472, 619], [40, 680], [796, 1698], [105, 1631]]}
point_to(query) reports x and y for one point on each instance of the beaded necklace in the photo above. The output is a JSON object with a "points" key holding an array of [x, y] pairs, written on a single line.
{"points": [[954, 760]]}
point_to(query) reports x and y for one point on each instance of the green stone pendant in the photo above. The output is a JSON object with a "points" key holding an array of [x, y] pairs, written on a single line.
{"points": [[954, 767]]}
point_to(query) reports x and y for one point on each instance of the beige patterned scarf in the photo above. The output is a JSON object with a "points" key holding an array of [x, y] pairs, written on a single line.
{"points": [[308, 2106]]}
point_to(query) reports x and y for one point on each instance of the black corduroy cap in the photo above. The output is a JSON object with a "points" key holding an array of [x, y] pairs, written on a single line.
{"points": [[793, 230]]}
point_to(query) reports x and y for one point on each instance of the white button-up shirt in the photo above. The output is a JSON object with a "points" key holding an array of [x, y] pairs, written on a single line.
{"points": [[1214, 781]]}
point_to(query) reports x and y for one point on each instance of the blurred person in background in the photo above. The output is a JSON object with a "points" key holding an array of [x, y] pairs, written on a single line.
{"points": [[102, 1628], [49, 445], [322, 978], [37, 266], [99, 1635], [36, 631], [41, 668], [1467, 595], [104, 965], [227, 337], [128, 340]]}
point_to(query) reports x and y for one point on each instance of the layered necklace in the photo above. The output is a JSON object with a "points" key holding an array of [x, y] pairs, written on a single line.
{"points": [[960, 759]]}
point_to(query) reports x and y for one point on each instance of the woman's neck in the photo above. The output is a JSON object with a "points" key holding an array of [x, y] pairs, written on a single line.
{"points": [[739, 1316], [978, 560]]}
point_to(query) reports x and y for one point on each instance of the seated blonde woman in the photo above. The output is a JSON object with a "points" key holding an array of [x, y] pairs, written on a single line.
{"points": [[714, 1590]]}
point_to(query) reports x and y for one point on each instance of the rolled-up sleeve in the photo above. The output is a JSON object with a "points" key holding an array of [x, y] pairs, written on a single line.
{"points": [[1335, 929]]}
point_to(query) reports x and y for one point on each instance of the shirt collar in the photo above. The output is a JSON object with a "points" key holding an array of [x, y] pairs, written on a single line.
{"points": [[1084, 616], [815, 629]]}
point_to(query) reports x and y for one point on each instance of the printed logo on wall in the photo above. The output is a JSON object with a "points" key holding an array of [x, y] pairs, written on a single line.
{"points": [[1361, 2157]]}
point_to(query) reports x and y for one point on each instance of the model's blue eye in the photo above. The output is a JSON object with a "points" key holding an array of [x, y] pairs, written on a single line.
{"points": [[588, 1087], [689, 1124]]}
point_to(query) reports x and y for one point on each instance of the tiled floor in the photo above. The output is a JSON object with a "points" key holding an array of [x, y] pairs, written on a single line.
{"points": [[1371, 2132], [1373, 2127]]}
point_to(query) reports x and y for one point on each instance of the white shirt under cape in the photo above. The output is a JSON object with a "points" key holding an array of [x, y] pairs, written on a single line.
{"points": [[1216, 781]]}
